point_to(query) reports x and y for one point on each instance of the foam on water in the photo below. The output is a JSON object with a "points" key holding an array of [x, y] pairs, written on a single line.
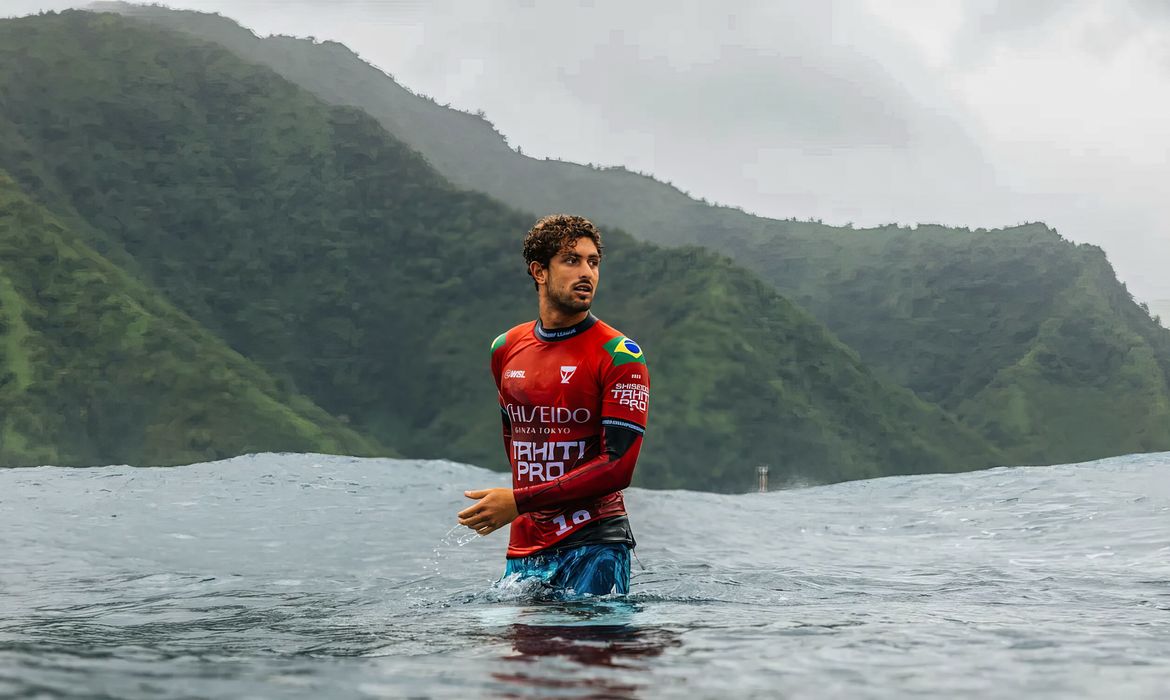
{"points": [[310, 576]]}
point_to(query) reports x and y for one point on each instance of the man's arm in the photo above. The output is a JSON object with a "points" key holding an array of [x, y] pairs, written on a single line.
{"points": [[624, 406], [506, 425], [497, 372], [494, 508], [610, 471]]}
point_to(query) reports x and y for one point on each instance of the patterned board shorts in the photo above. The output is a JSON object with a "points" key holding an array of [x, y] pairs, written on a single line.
{"points": [[591, 569]]}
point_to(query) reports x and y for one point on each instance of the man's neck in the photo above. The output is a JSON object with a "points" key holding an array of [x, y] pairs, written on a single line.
{"points": [[554, 321], [564, 332], [552, 317]]}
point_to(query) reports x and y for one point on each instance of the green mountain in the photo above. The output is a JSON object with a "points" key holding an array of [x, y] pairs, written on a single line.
{"points": [[953, 314], [334, 256], [97, 369], [1028, 338]]}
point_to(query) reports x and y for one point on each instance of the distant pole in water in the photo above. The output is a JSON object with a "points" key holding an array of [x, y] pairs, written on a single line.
{"points": [[762, 470]]}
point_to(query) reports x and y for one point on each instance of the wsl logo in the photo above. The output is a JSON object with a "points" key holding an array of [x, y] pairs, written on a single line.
{"points": [[567, 373], [624, 351]]}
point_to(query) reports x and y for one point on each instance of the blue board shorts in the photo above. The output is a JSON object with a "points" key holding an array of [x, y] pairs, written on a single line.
{"points": [[590, 569]]}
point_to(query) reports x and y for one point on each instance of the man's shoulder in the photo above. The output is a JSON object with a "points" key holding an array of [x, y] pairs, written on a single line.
{"points": [[513, 334], [617, 346]]}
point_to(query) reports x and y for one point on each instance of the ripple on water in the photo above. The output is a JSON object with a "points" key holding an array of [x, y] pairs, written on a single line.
{"points": [[313, 576]]}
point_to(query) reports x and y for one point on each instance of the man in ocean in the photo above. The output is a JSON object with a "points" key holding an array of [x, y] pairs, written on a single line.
{"points": [[574, 395]]}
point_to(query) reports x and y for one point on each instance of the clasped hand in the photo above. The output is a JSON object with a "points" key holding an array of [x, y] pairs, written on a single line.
{"points": [[494, 509]]}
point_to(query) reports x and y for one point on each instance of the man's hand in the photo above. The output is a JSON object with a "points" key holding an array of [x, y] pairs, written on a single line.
{"points": [[494, 509]]}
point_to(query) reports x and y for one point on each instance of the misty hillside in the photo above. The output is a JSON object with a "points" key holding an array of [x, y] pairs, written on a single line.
{"points": [[97, 369], [1026, 337], [334, 256], [958, 316]]}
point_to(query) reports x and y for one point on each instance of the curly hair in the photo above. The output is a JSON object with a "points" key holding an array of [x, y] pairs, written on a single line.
{"points": [[554, 233]]}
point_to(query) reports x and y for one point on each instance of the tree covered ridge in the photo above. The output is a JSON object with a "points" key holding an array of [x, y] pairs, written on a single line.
{"points": [[334, 256], [97, 369], [949, 313], [957, 318]]}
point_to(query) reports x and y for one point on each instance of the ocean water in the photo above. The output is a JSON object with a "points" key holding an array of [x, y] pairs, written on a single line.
{"points": [[289, 575]]}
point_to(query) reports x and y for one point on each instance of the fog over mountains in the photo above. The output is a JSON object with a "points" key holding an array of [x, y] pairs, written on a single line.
{"points": [[978, 113]]}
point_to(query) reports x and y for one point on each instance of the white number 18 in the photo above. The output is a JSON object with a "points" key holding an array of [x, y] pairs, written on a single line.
{"points": [[578, 518]]}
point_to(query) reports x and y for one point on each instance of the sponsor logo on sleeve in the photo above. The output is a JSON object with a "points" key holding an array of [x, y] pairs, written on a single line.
{"points": [[635, 396], [514, 374]]}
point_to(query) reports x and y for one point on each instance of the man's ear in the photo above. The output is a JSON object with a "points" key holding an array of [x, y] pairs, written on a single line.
{"points": [[539, 272]]}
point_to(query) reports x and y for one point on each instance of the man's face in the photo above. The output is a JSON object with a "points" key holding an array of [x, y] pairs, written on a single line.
{"points": [[572, 275]]}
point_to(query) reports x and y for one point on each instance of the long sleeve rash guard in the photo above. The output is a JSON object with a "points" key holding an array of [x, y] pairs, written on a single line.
{"points": [[574, 403]]}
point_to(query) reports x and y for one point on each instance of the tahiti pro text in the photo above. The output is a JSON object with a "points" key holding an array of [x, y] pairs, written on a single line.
{"points": [[544, 461]]}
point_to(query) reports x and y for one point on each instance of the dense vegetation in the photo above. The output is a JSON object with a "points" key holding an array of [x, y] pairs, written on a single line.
{"points": [[97, 369], [334, 256], [958, 316], [1028, 338]]}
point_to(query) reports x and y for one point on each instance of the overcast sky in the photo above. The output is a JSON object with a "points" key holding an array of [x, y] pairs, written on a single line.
{"points": [[965, 112]]}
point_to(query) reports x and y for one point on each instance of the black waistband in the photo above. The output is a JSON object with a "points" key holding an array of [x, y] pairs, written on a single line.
{"points": [[612, 530]]}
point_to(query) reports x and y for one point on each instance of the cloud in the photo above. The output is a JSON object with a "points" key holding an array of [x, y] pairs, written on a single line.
{"points": [[965, 112], [1100, 27], [743, 103], [778, 99]]}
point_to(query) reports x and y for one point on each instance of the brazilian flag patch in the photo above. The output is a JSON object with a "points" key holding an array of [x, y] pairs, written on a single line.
{"points": [[499, 341], [623, 350]]}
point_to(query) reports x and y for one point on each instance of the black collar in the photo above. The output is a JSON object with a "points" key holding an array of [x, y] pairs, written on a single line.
{"points": [[555, 334]]}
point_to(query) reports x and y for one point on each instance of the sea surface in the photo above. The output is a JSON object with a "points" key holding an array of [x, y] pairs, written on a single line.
{"points": [[293, 575]]}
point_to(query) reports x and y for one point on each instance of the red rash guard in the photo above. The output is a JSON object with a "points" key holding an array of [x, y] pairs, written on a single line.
{"points": [[574, 404]]}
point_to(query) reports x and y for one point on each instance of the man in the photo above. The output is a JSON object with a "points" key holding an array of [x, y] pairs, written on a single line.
{"points": [[573, 397]]}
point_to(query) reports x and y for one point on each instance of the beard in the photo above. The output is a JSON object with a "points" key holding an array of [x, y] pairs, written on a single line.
{"points": [[567, 301]]}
